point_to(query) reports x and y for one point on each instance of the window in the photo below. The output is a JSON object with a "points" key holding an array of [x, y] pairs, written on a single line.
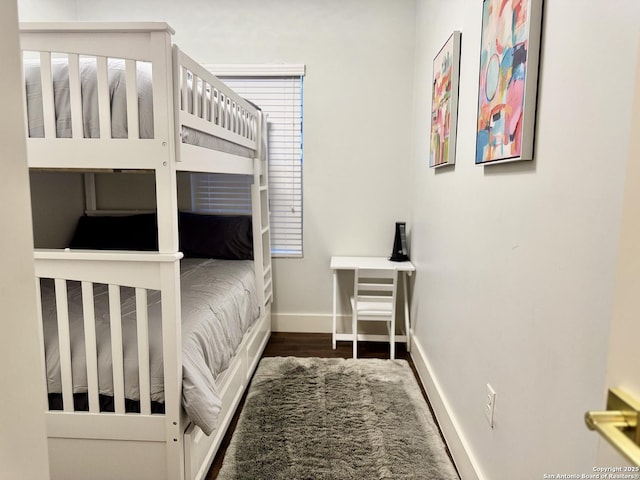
{"points": [[221, 193], [277, 90]]}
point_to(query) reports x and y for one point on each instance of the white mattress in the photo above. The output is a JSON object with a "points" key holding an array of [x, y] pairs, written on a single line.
{"points": [[219, 304], [118, 98]]}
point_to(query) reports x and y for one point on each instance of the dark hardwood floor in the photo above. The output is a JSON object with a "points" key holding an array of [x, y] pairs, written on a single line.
{"points": [[309, 345]]}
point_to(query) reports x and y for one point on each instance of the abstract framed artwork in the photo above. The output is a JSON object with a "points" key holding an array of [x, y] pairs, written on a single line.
{"points": [[444, 103], [508, 81]]}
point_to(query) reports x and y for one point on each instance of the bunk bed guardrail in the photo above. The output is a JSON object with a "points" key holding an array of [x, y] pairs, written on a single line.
{"points": [[153, 76]]}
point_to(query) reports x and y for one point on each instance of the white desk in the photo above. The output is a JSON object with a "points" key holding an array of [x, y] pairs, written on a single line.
{"points": [[351, 263]]}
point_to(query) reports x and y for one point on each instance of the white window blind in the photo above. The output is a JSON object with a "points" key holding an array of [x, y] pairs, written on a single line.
{"points": [[221, 193], [278, 93]]}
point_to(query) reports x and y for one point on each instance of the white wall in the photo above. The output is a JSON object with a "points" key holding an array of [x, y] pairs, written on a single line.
{"points": [[47, 10], [358, 54], [23, 448], [516, 262]]}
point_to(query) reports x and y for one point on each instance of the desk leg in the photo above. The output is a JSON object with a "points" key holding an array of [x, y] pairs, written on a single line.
{"points": [[335, 307], [407, 322]]}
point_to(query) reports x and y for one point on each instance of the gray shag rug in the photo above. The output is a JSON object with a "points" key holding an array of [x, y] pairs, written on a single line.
{"points": [[330, 418]]}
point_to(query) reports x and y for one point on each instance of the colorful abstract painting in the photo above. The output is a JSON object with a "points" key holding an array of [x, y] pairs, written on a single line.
{"points": [[444, 103], [508, 80]]}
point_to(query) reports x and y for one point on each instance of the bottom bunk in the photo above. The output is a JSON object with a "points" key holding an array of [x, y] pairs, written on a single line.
{"points": [[168, 342]]}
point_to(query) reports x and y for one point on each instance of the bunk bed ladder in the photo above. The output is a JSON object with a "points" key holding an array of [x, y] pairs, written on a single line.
{"points": [[261, 228]]}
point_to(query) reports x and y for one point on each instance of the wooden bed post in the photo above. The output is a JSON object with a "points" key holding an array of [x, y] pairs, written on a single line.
{"points": [[166, 184], [90, 203], [172, 351], [167, 205]]}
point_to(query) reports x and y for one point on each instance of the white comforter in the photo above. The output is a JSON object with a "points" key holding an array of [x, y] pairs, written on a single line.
{"points": [[90, 112], [219, 304], [117, 102]]}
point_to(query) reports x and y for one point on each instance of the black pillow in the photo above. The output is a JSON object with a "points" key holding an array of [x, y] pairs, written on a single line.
{"points": [[201, 236], [216, 236], [129, 232]]}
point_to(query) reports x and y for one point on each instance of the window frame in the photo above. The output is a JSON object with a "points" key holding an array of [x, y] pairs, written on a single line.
{"points": [[279, 246]]}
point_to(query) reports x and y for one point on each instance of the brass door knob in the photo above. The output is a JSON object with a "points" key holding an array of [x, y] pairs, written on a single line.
{"points": [[618, 424]]}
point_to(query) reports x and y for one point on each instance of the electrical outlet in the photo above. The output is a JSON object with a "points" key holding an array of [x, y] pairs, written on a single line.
{"points": [[490, 405]]}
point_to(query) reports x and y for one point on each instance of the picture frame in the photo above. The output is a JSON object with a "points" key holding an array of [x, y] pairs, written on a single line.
{"points": [[444, 103], [508, 80]]}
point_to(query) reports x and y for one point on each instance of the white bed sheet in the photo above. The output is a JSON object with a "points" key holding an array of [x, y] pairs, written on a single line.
{"points": [[219, 304], [89, 93]]}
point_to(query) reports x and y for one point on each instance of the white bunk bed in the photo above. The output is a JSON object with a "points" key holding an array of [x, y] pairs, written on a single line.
{"points": [[185, 98]]}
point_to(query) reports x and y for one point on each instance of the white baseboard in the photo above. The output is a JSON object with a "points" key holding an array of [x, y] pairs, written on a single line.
{"points": [[458, 446], [303, 323]]}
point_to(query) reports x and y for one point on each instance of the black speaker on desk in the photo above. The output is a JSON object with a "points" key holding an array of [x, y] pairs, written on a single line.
{"points": [[400, 252]]}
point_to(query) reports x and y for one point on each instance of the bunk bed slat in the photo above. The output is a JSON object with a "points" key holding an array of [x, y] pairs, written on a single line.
{"points": [[194, 95], [75, 97], [142, 325], [245, 124], [184, 91], [240, 120], [48, 107], [41, 331], [241, 124], [104, 100], [64, 342], [91, 351], [225, 123], [215, 101], [204, 111], [133, 127], [116, 347], [232, 115], [239, 114]]}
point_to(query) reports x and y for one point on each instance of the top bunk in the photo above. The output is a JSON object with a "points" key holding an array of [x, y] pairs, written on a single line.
{"points": [[122, 96]]}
